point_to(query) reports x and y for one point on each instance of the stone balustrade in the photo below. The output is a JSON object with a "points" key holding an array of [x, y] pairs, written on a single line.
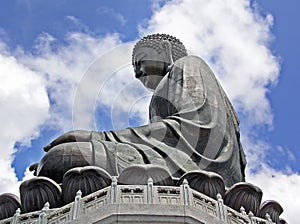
{"points": [[180, 204]]}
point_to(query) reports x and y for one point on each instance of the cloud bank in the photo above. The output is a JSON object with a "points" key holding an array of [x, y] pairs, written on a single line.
{"points": [[24, 107]]}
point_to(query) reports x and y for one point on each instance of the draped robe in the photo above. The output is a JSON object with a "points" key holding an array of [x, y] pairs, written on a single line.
{"points": [[192, 126]]}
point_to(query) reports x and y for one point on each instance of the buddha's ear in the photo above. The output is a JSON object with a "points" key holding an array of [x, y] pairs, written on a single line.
{"points": [[166, 46]]}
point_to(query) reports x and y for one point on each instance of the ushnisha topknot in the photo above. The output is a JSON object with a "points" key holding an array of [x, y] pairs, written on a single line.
{"points": [[153, 41]]}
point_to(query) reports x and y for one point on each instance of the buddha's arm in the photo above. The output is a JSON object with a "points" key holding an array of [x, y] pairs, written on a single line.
{"points": [[72, 136], [157, 130]]}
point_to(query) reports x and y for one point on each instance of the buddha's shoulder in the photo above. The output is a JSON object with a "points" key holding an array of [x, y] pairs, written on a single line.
{"points": [[191, 60]]}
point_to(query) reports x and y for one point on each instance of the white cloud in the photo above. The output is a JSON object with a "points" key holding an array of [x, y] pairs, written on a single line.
{"points": [[112, 14], [286, 152], [8, 179], [100, 85], [65, 66], [24, 107], [78, 24], [280, 187], [115, 92]]}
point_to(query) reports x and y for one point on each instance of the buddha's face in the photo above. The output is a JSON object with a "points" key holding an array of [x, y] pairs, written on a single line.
{"points": [[150, 66]]}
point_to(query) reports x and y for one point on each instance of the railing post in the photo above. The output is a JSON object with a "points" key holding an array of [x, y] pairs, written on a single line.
{"points": [[186, 192], [150, 191], [113, 190], [42, 216], [16, 216], [252, 218], [77, 202], [243, 211], [221, 208]]}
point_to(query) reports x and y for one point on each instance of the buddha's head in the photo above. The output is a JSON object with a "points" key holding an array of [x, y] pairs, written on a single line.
{"points": [[153, 55]]}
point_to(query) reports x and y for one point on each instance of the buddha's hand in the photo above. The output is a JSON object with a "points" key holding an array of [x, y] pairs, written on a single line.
{"points": [[71, 136]]}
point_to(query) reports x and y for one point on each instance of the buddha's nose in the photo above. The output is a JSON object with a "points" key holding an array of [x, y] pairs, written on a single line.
{"points": [[138, 72]]}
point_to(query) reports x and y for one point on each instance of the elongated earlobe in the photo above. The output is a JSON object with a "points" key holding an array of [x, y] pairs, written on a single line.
{"points": [[167, 47]]}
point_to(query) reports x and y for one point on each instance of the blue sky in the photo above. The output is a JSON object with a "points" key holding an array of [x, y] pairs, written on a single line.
{"points": [[48, 48], [283, 96]]}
